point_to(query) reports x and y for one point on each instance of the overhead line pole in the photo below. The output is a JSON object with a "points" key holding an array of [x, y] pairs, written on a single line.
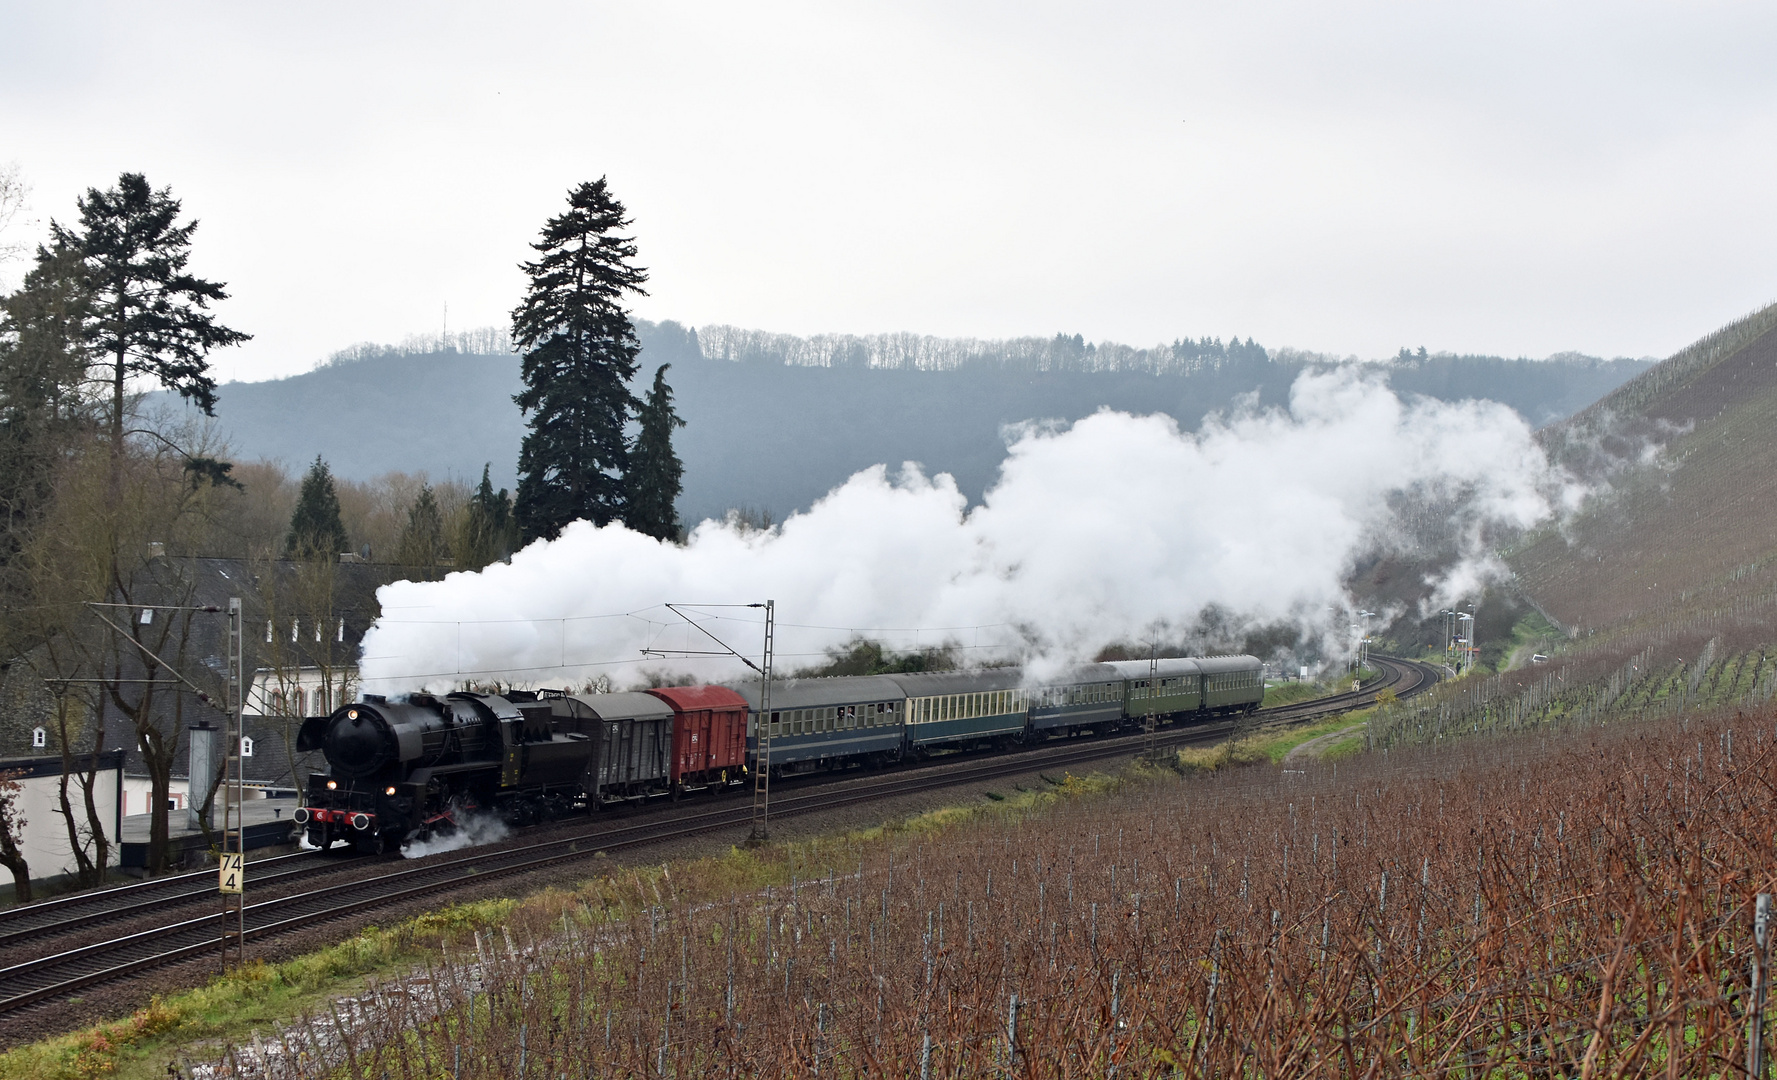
{"points": [[1150, 726], [231, 871], [234, 797], [761, 830]]}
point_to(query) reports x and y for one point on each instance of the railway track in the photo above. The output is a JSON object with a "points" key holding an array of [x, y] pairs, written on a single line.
{"points": [[59, 975], [79, 911]]}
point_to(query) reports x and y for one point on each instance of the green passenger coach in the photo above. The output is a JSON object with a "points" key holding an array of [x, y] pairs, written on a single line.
{"points": [[1231, 683], [1171, 686]]}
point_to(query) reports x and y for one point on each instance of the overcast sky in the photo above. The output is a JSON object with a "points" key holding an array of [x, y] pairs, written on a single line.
{"points": [[1505, 178]]}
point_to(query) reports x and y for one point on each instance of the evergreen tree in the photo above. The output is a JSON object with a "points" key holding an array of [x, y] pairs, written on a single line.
{"points": [[422, 539], [43, 420], [655, 472], [315, 529], [579, 354], [147, 316], [487, 533]]}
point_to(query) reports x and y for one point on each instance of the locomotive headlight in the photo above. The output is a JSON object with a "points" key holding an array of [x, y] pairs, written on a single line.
{"points": [[333, 785], [351, 714], [390, 790]]}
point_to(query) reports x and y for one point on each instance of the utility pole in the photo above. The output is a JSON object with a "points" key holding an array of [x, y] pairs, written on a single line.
{"points": [[232, 878], [762, 759], [1150, 725], [231, 873]]}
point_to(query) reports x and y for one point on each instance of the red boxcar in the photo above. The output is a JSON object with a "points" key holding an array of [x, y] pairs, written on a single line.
{"points": [[709, 735]]}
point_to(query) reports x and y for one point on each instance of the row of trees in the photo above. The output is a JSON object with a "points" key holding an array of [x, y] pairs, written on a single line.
{"points": [[465, 530]]}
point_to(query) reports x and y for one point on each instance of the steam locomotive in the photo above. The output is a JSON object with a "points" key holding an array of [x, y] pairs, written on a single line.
{"points": [[405, 767]]}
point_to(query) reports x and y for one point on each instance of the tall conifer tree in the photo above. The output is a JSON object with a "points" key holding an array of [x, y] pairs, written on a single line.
{"points": [[579, 354], [486, 535], [315, 529], [655, 472], [146, 315], [422, 539]]}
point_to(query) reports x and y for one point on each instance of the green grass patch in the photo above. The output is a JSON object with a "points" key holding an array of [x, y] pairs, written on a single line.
{"points": [[1291, 692], [1280, 745], [230, 1007]]}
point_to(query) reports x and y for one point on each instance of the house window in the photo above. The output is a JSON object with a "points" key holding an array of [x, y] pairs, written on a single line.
{"points": [[246, 746], [39, 738]]}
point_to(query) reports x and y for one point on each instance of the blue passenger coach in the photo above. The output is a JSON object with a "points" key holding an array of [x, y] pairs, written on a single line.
{"points": [[1087, 698], [828, 723], [958, 710]]}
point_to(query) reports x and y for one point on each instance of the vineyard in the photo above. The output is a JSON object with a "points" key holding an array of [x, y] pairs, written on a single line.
{"points": [[1531, 905], [1684, 471], [1646, 673]]}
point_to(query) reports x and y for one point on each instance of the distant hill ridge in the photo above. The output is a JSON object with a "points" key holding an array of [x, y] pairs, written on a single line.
{"points": [[775, 420]]}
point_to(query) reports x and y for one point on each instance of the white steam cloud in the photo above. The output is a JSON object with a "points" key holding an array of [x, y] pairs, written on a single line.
{"points": [[1097, 533], [472, 830]]}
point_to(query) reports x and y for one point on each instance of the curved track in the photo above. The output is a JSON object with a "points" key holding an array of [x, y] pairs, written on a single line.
{"points": [[58, 975]]}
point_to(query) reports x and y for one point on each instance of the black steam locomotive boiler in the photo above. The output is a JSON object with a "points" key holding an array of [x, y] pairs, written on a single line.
{"points": [[406, 767]]}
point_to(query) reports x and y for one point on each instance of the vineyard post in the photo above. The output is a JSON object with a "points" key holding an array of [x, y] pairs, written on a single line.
{"points": [[1755, 1036]]}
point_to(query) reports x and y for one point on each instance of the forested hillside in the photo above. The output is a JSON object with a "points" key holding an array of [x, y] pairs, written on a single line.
{"points": [[775, 421]]}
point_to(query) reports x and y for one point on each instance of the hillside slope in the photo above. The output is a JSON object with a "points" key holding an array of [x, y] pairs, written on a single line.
{"points": [[1689, 525]]}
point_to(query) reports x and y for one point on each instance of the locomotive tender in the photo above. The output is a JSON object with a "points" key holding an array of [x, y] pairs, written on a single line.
{"points": [[400, 768]]}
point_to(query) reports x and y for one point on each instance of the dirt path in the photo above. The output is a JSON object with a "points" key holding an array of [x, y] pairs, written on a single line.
{"points": [[1317, 746]]}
